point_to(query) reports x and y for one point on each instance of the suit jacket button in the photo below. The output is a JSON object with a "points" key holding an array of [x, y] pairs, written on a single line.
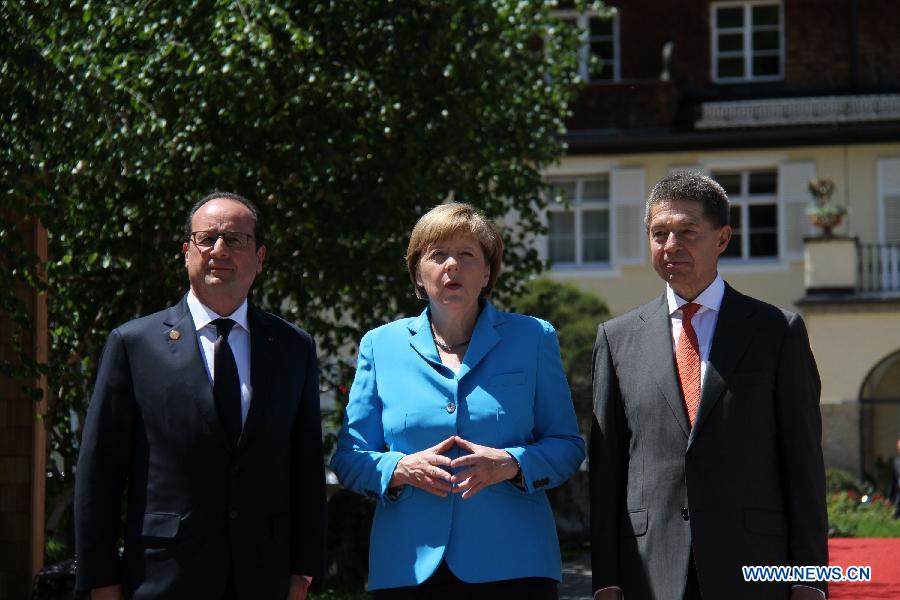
{"points": [[685, 514], [451, 407], [232, 514]]}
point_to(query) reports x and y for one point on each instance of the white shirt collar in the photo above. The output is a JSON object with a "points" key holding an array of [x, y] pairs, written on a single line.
{"points": [[203, 315], [710, 298]]}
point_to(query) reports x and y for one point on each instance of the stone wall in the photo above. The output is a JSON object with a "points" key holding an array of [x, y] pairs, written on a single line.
{"points": [[840, 436]]}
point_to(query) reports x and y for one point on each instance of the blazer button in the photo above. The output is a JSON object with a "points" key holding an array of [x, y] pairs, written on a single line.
{"points": [[233, 514], [451, 407], [686, 514]]}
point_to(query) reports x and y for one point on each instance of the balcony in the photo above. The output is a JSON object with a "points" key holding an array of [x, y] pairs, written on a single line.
{"points": [[879, 267], [841, 270]]}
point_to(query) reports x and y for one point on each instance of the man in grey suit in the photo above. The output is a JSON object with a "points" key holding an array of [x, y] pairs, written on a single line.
{"points": [[706, 442]]}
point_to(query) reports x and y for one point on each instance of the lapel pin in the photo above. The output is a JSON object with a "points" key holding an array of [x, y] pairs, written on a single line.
{"points": [[174, 335]]}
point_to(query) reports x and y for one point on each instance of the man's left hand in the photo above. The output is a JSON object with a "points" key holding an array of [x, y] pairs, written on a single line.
{"points": [[483, 467], [299, 587]]}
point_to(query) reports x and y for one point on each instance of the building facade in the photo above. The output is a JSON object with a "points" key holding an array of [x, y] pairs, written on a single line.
{"points": [[763, 95], [23, 441]]}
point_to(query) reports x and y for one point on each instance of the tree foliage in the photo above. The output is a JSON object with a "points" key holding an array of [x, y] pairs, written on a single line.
{"points": [[344, 119], [575, 314]]}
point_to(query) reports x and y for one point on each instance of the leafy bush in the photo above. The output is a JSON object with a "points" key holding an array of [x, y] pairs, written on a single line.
{"points": [[575, 314], [853, 513], [839, 480]]}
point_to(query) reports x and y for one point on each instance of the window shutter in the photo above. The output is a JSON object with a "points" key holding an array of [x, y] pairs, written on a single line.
{"points": [[627, 195], [889, 195], [793, 198]]}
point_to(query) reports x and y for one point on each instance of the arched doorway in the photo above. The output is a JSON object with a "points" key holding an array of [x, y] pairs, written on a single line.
{"points": [[880, 423]]}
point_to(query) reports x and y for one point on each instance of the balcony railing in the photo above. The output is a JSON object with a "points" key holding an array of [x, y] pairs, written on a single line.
{"points": [[879, 267]]}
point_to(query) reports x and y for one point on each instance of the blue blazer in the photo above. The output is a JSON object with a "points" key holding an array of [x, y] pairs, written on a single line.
{"points": [[510, 393]]}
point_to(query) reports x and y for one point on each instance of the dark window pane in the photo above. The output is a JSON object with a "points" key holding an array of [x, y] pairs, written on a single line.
{"points": [[602, 70], [562, 237], [733, 250], [562, 192], [731, 67], [731, 42], [595, 249], [561, 224], [595, 236], [730, 17], [734, 217], [600, 26], [765, 15], [763, 244], [730, 181], [596, 189], [602, 49], [763, 230], [765, 40], [763, 217], [766, 65], [763, 183], [595, 223]]}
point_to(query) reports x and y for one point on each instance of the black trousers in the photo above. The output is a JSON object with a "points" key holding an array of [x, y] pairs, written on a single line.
{"points": [[692, 587], [445, 585]]}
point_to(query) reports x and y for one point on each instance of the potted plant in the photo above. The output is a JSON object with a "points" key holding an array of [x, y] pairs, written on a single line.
{"points": [[823, 213]]}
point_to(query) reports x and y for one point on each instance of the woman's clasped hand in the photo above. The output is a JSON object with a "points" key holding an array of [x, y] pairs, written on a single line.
{"points": [[432, 471]]}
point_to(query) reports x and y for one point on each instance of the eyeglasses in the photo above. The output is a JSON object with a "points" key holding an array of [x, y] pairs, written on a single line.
{"points": [[208, 239]]}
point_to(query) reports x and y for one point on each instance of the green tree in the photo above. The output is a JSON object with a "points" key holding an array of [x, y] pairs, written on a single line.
{"points": [[344, 119], [575, 314]]}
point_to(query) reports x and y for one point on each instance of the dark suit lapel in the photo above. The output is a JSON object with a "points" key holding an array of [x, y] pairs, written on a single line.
{"points": [[262, 360], [734, 331], [659, 359], [181, 338]]}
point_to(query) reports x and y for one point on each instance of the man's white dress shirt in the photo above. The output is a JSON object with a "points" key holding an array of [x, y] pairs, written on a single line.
{"points": [[704, 320], [238, 339]]}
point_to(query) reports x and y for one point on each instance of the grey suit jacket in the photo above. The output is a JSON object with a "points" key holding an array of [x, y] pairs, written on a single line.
{"points": [[745, 486]]}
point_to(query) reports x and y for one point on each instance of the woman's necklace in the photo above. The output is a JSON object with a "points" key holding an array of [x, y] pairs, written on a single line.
{"points": [[448, 348]]}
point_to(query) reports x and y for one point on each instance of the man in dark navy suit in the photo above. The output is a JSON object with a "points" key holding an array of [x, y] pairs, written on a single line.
{"points": [[206, 417]]}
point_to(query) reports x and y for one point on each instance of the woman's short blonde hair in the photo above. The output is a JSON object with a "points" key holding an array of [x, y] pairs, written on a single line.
{"points": [[445, 221]]}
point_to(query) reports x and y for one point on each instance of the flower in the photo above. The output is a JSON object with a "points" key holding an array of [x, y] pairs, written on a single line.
{"points": [[821, 189], [822, 212]]}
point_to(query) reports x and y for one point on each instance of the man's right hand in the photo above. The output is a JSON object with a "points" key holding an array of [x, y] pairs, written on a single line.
{"points": [[423, 470], [110, 592], [609, 593]]}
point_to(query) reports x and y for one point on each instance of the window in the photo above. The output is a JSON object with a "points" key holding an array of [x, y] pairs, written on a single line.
{"points": [[578, 221], [598, 57], [754, 213], [889, 200], [747, 42]]}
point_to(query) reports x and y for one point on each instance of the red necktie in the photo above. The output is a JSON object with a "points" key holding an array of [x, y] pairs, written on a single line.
{"points": [[687, 357]]}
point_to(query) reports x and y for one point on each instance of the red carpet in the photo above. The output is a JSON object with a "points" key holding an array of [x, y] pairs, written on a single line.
{"points": [[882, 554]]}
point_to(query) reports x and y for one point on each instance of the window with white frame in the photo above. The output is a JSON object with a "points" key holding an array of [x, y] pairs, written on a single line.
{"points": [[747, 41], [754, 213], [578, 221], [598, 56]]}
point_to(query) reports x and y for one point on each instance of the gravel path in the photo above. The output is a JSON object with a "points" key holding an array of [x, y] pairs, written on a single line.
{"points": [[576, 580]]}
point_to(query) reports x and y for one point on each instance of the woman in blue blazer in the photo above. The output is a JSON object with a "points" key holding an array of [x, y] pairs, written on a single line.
{"points": [[458, 422]]}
